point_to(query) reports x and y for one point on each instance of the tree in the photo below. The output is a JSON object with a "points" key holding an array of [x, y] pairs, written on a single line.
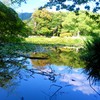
{"points": [[47, 23], [56, 24], [11, 26], [18, 1], [12, 30], [73, 5], [6, 2], [81, 23], [60, 4], [70, 23], [41, 20]]}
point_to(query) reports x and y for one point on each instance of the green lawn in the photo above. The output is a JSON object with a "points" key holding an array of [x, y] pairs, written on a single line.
{"points": [[76, 41]]}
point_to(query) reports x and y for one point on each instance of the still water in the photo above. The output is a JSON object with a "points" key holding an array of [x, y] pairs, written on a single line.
{"points": [[50, 82], [61, 77]]}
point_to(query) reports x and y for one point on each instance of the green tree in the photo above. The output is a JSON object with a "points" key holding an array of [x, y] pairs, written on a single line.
{"points": [[11, 27], [56, 24], [47, 23], [81, 23], [12, 30], [88, 25], [60, 4], [73, 5], [70, 23], [17, 1], [41, 20]]}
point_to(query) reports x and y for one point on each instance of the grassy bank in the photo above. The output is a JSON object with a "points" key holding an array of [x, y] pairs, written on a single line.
{"points": [[67, 41]]}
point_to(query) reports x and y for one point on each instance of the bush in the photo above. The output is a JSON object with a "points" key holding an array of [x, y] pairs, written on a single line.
{"points": [[91, 55]]}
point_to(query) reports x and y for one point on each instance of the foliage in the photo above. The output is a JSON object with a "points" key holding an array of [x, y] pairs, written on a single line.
{"points": [[41, 21], [11, 27], [73, 5], [46, 23], [60, 4], [91, 55], [12, 30], [81, 23], [18, 1], [56, 23], [70, 23]]}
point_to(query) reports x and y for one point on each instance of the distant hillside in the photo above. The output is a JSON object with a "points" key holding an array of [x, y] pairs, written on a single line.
{"points": [[25, 16]]}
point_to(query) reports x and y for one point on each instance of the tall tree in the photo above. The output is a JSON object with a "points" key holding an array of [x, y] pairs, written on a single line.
{"points": [[56, 24], [41, 22], [47, 23]]}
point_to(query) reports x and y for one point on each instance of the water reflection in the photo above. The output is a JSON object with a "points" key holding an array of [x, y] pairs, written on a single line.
{"points": [[71, 59], [49, 79], [79, 81], [51, 83], [10, 68]]}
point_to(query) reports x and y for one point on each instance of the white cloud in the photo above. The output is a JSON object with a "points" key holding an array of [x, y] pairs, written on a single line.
{"points": [[79, 83]]}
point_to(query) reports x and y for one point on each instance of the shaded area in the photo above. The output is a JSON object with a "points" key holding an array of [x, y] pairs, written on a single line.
{"points": [[12, 28], [91, 55]]}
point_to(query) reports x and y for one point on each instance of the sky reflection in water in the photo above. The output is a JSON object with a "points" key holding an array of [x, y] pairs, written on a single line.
{"points": [[68, 84]]}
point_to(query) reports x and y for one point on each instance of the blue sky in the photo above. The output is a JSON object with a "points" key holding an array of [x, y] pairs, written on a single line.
{"points": [[31, 5]]}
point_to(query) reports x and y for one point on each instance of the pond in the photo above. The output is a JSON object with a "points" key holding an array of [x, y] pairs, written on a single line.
{"points": [[60, 77]]}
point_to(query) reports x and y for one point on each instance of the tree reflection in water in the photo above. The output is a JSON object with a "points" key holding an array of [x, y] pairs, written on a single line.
{"points": [[10, 69], [15, 68]]}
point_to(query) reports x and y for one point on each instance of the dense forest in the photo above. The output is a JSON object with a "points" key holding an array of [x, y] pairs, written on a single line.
{"points": [[47, 23]]}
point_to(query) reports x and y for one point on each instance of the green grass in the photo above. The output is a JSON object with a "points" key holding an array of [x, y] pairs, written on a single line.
{"points": [[77, 41]]}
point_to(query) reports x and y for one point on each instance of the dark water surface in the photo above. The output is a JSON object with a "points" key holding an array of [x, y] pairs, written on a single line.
{"points": [[50, 82]]}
